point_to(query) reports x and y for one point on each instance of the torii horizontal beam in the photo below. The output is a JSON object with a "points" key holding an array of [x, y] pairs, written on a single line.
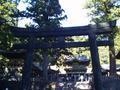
{"points": [[60, 45], [59, 32]]}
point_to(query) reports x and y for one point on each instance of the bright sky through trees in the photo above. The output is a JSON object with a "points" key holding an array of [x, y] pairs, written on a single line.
{"points": [[77, 16]]}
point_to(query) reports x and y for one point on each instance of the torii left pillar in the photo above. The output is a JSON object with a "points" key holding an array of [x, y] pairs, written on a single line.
{"points": [[27, 69]]}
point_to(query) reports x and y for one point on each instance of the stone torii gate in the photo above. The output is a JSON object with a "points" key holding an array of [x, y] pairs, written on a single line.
{"points": [[33, 33]]}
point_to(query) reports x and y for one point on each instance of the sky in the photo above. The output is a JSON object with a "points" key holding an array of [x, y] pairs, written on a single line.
{"points": [[77, 15]]}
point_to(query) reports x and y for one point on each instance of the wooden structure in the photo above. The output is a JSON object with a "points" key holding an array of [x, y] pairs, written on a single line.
{"points": [[13, 54], [32, 34], [80, 60], [74, 81], [76, 76]]}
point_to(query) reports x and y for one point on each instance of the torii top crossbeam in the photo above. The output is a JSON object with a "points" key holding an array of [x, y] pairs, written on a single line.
{"points": [[58, 32]]}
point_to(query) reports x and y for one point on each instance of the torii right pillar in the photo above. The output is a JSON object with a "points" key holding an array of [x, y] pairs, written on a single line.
{"points": [[112, 25], [112, 58], [95, 62]]}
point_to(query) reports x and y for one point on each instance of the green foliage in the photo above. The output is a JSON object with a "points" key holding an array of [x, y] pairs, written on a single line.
{"points": [[7, 9], [104, 10], [46, 13], [117, 40]]}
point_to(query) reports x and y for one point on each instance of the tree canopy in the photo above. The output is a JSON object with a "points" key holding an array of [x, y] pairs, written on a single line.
{"points": [[46, 13], [104, 10], [7, 9]]}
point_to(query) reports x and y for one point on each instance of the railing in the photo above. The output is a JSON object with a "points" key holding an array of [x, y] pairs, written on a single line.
{"points": [[70, 81], [111, 82], [74, 81]]}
